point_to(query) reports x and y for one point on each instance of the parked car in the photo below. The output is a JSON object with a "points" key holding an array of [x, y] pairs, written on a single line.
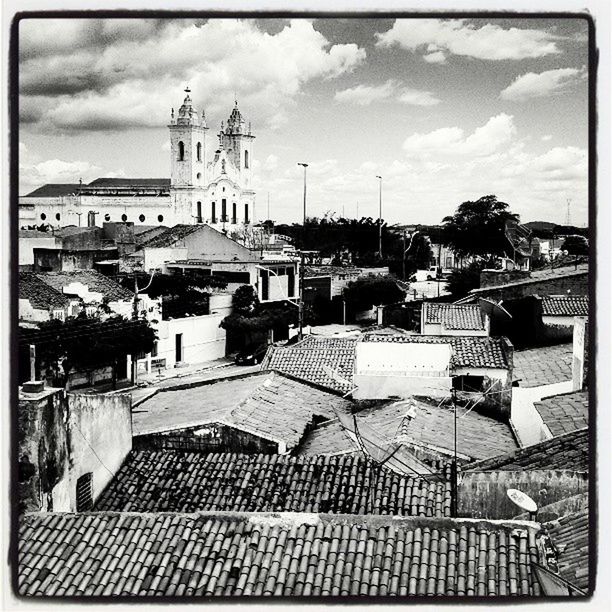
{"points": [[251, 355]]}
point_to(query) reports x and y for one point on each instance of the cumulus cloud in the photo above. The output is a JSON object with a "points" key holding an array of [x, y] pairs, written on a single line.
{"points": [[479, 40], [538, 85], [119, 74], [364, 95], [32, 175], [452, 141]]}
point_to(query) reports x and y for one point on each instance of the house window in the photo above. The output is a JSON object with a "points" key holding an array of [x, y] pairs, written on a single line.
{"points": [[290, 282], [214, 213], [107, 217], [84, 493], [224, 210], [246, 159], [199, 176], [43, 216], [265, 285], [124, 217], [234, 220], [57, 216], [181, 151], [141, 218], [160, 218], [246, 213], [154, 350], [199, 153], [58, 314]]}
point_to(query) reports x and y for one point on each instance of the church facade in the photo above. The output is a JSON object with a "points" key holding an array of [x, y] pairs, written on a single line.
{"points": [[216, 191]]}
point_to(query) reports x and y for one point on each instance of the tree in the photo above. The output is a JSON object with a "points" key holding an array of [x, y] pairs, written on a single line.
{"points": [[477, 228], [369, 291], [461, 282], [86, 342], [576, 245]]}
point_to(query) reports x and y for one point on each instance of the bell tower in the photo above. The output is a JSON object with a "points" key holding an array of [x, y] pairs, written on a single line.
{"points": [[237, 140], [187, 159]]}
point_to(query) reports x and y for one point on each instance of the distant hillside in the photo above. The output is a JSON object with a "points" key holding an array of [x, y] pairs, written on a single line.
{"points": [[536, 226]]}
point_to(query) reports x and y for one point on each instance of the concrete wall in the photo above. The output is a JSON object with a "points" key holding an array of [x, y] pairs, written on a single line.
{"points": [[525, 419], [220, 304], [577, 284], [484, 494], [203, 339], [492, 278], [386, 386], [208, 243], [155, 257], [580, 359], [101, 437], [59, 260], [64, 437], [27, 246]]}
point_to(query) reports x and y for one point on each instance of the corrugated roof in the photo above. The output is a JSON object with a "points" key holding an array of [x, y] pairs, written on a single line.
{"points": [[41, 295], [279, 554], [54, 190], [566, 452], [564, 413], [565, 305], [94, 281], [570, 536], [155, 481], [268, 405], [455, 316]]}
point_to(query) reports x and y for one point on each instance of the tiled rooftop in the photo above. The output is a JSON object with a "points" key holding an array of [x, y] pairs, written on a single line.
{"points": [[570, 536], [566, 452], [40, 295], [94, 281], [267, 404], [478, 436], [566, 305], [474, 351], [565, 413], [53, 190], [455, 316], [170, 236], [310, 358], [280, 554], [543, 366], [160, 481], [313, 358]]}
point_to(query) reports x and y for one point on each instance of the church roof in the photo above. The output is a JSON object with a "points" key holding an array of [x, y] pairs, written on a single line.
{"points": [[54, 190], [130, 182]]}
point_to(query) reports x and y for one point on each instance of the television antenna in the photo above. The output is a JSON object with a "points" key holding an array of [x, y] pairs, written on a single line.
{"points": [[568, 219]]}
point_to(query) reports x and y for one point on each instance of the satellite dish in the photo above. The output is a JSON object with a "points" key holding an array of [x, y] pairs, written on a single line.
{"points": [[494, 310], [522, 500]]}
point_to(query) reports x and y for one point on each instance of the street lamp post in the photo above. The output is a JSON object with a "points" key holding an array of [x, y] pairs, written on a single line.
{"points": [[301, 311], [379, 216]]}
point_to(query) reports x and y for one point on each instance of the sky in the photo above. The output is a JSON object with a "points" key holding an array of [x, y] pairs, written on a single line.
{"points": [[444, 110]]}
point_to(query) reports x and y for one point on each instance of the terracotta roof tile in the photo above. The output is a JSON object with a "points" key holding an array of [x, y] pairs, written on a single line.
{"points": [[40, 294], [565, 305], [269, 405], [570, 537], [154, 481], [94, 281], [566, 452], [544, 365], [455, 316], [234, 554], [432, 428], [564, 413]]}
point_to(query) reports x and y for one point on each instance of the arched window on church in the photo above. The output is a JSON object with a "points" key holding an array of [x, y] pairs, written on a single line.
{"points": [[199, 151], [246, 159], [181, 151]]}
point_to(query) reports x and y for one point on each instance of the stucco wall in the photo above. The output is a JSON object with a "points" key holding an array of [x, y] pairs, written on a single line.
{"points": [[155, 257], [64, 437], [484, 494], [382, 387], [27, 246], [203, 339]]}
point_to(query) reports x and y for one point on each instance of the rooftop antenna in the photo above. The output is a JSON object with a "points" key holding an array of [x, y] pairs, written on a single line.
{"points": [[568, 219]]}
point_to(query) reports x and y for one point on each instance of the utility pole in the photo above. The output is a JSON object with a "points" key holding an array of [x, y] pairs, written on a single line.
{"points": [[268, 205], [454, 476], [301, 311], [379, 216], [404, 256]]}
